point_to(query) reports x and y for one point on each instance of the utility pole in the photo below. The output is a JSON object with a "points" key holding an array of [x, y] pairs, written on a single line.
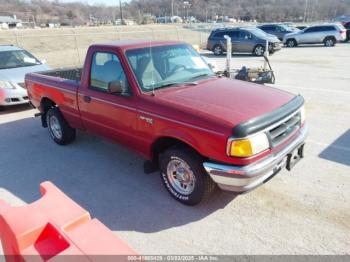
{"points": [[121, 12], [172, 10], [305, 11]]}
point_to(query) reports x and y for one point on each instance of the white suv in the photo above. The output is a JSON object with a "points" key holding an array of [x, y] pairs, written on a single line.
{"points": [[328, 34]]}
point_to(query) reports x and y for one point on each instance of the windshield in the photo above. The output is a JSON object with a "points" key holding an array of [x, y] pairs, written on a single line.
{"points": [[165, 66], [285, 28], [17, 58], [258, 32]]}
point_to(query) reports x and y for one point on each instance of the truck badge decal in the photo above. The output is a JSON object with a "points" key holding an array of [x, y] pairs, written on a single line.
{"points": [[147, 119]]}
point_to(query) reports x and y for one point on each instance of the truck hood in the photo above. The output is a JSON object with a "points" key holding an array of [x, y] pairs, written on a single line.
{"points": [[16, 75], [224, 100]]}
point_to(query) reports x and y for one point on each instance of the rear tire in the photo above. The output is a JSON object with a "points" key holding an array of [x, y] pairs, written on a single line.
{"points": [[291, 43], [259, 50], [217, 50], [59, 129], [329, 41], [183, 175]]}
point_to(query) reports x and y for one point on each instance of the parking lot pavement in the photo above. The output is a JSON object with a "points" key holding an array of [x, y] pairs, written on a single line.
{"points": [[305, 211]]}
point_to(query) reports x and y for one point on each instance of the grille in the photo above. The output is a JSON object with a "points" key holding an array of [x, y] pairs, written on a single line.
{"points": [[21, 85], [281, 132]]}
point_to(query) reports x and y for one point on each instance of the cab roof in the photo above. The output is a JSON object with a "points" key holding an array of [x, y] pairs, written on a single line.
{"points": [[133, 44], [4, 48]]}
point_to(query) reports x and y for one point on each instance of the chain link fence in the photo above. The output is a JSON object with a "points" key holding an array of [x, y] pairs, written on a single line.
{"points": [[67, 47]]}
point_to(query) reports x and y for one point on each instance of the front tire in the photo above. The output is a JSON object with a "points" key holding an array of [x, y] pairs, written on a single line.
{"points": [[59, 129], [259, 50], [291, 43], [183, 175]]}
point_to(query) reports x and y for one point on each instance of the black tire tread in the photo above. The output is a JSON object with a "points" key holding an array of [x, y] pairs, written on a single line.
{"points": [[195, 161], [68, 133]]}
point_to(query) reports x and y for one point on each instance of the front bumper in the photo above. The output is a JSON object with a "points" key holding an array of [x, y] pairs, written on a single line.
{"points": [[245, 178], [274, 47], [16, 96]]}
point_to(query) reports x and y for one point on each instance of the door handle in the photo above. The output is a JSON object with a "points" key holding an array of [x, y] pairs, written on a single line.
{"points": [[87, 99]]}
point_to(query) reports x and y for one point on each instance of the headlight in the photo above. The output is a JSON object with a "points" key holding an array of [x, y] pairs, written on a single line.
{"points": [[302, 114], [249, 146], [6, 85]]}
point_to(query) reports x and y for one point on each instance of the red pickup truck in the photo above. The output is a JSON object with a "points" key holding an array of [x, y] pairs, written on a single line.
{"points": [[162, 100]]}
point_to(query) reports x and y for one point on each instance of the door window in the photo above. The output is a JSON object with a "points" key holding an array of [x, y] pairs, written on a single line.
{"points": [[233, 35], [105, 69], [244, 35], [311, 30]]}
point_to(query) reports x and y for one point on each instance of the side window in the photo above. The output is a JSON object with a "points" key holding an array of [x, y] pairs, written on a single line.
{"points": [[329, 28], [105, 69], [311, 30], [347, 25], [243, 35], [233, 35], [220, 34]]}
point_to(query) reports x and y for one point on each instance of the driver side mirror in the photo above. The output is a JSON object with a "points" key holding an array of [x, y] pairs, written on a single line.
{"points": [[115, 87]]}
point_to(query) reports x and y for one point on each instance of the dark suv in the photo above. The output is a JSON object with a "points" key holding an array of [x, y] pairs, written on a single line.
{"points": [[347, 27], [278, 30], [244, 40]]}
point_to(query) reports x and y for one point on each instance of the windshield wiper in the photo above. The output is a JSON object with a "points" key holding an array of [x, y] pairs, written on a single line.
{"points": [[175, 84], [201, 75]]}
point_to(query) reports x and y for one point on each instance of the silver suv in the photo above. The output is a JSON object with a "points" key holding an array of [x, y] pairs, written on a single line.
{"points": [[328, 34]]}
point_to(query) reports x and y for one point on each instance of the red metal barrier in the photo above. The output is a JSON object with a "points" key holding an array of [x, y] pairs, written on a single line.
{"points": [[54, 226]]}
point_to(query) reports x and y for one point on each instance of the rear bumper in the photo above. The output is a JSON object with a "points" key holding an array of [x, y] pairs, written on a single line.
{"points": [[245, 178]]}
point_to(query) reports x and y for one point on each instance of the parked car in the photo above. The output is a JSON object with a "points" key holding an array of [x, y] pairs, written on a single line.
{"points": [[347, 27], [14, 64], [291, 26], [244, 40], [279, 30], [328, 34], [162, 100], [301, 27]]}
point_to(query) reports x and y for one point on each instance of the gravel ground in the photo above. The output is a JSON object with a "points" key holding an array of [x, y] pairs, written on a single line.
{"points": [[306, 211]]}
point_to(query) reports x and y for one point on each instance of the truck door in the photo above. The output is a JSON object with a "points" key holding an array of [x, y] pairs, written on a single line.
{"points": [[104, 113]]}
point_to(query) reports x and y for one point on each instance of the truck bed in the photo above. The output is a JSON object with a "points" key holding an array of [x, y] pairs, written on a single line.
{"points": [[73, 74], [60, 86]]}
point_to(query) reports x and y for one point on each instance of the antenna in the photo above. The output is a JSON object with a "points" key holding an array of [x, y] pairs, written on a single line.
{"points": [[151, 61]]}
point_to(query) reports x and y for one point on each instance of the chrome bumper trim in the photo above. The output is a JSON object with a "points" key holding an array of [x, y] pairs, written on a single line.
{"points": [[244, 178]]}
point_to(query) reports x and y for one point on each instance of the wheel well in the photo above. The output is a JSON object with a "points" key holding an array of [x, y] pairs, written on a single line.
{"points": [[162, 144], [329, 37], [45, 105], [219, 45], [259, 45]]}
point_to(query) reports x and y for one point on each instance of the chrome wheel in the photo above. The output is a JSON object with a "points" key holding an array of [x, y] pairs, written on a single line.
{"points": [[290, 43], [259, 51], [55, 127], [217, 50], [180, 176]]}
